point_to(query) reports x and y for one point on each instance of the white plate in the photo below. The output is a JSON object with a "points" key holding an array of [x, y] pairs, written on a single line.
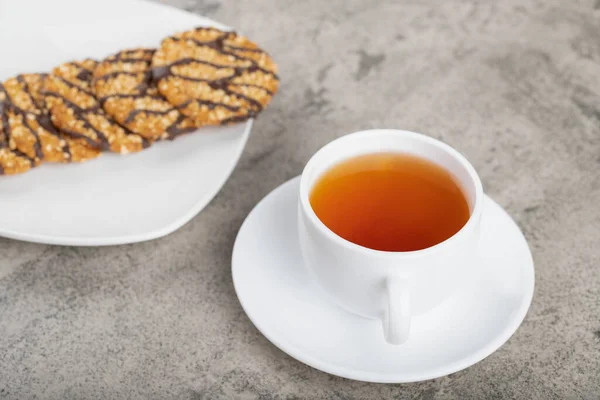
{"points": [[289, 309], [114, 199]]}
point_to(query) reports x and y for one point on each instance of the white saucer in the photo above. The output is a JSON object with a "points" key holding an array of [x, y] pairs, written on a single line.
{"points": [[289, 309], [114, 199]]}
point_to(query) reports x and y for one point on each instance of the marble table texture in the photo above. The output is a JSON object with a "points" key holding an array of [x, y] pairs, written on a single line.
{"points": [[514, 85]]}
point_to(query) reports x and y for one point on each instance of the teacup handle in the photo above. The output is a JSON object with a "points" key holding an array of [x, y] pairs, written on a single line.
{"points": [[396, 319]]}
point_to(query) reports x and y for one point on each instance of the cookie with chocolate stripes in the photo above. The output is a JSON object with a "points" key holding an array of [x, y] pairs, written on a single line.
{"points": [[214, 77], [75, 111], [123, 84], [11, 161], [28, 126]]}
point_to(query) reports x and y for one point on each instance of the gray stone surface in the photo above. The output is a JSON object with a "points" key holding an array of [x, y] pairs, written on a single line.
{"points": [[514, 85]]}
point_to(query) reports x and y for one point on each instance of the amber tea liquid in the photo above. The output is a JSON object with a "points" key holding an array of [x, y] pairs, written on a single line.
{"points": [[390, 202]]}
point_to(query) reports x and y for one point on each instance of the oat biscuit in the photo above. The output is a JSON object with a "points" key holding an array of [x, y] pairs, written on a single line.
{"points": [[11, 161], [28, 128], [123, 84], [78, 73], [214, 77], [75, 111], [125, 73], [23, 92]]}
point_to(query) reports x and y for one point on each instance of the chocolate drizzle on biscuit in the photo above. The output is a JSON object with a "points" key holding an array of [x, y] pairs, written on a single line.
{"points": [[133, 114], [174, 130], [74, 86], [103, 99], [78, 110], [84, 75], [79, 113], [37, 113], [129, 55], [83, 114], [29, 92], [4, 135], [9, 107], [146, 75], [221, 83], [101, 141], [219, 45], [144, 90]]}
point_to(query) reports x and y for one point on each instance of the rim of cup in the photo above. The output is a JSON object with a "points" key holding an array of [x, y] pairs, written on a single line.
{"points": [[475, 210]]}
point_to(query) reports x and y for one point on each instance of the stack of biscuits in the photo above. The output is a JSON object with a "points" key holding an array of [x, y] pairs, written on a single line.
{"points": [[128, 101]]}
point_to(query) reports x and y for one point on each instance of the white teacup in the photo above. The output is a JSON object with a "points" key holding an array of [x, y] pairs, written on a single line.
{"points": [[391, 286]]}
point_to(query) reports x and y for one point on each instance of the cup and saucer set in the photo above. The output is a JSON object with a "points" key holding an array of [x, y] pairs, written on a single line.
{"points": [[382, 316]]}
